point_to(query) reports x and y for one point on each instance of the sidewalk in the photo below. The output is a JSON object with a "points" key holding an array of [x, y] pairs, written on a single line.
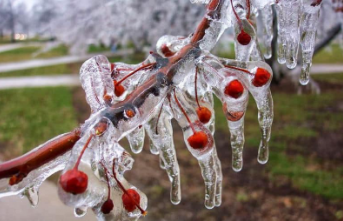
{"points": [[49, 208], [13, 66], [39, 81], [8, 47]]}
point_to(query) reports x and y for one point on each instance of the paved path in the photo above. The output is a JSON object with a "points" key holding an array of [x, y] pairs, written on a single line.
{"points": [[13, 66], [49, 208], [326, 68], [8, 47], [39, 81]]}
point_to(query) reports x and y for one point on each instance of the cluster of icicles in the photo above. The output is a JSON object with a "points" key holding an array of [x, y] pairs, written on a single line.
{"points": [[297, 22], [93, 170]]}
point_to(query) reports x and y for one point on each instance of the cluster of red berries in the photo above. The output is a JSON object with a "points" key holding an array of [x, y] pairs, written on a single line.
{"points": [[75, 182]]}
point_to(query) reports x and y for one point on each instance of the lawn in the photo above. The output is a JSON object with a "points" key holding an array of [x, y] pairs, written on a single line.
{"points": [[31, 116], [24, 53], [332, 54]]}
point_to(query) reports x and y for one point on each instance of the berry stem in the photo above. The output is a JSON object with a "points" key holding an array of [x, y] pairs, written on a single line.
{"points": [[82, 152], [171, 108], [237, 17], [184, 112], [248, 7], [108, 181], [125, 191], [239, 69], [196, 86], [135, 71]]}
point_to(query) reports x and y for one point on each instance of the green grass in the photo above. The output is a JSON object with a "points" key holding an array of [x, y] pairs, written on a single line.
{"points": [[31, 116], [331, 56], [97, 48], [330, 78], [305, 175], [28, 52], [48, 70], [60, 50], [225, 53], [18, 54]]}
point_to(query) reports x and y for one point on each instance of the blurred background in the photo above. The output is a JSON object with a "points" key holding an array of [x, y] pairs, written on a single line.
{"points": [[43, 43]]}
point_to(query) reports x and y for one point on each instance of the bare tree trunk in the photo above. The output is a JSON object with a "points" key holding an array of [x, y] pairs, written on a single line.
{"points": [[12, 23]]}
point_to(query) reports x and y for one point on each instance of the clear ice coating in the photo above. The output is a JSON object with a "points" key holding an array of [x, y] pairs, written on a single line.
{"points": [[178, 81]]}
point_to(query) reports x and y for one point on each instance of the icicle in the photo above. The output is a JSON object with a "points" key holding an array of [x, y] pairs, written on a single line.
{"points": [[266, 14], [95, 77], [160, 131], [32, 195], [257, 81], [80, 211], [308, 32], [136, 139], [162, 166], [207, 166], [219, 181], [289, 12]]}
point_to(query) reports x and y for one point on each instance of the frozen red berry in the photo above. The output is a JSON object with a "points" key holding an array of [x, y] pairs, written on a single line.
{"points": [[166, 51], [107, 99], [234, 89], [232, 116], [15, 179], [118, 89], [262, 76], [130, 113], [74, 181], [204, 114], [243, 38], [107, 206], [198, 140], [130, 200]]}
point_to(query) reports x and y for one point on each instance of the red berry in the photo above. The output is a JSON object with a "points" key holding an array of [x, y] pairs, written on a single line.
{"points": [[130, 113], [118, 89], [130, 200], [107, 206], [198, 140], [74, 181], [243, 38], [234, 89], [15, 179], [166, 51], [232, 116], [107, 99], [262, 76], [204, 114]]}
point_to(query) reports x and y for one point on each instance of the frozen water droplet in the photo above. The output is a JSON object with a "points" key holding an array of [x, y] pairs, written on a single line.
{"points": [[80, 211], [153, 148], [32, 195], [162, 164], [263, 154], [237, 144], [136, 139]]}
